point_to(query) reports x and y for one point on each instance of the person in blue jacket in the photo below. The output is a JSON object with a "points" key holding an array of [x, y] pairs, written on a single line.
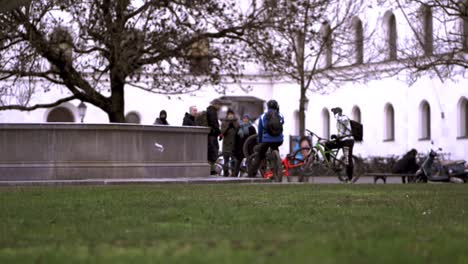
{"points": [[269, 135]]}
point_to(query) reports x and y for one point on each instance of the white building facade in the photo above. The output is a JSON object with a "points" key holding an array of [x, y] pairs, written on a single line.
{"points": [[396, 116]]}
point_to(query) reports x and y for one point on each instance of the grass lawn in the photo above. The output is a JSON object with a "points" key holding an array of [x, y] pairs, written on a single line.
{"points": [[263, 223]]}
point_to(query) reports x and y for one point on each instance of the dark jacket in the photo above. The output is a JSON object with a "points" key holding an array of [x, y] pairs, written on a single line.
{"points": [[213, 123], [407, 164], [160, 121], [189, 120], [240, 140], [229, 128]]}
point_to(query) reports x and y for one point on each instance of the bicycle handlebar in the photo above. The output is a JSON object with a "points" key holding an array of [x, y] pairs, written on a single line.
{"points": [[317, 136], [324, 139]]}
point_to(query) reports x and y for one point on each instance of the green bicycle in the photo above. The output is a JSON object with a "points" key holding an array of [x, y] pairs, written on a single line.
{"points": [[318, 164]]}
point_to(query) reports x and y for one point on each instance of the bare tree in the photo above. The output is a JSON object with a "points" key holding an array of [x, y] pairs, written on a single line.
{"points": [[315, 43], [440, 43], [96, 48]]}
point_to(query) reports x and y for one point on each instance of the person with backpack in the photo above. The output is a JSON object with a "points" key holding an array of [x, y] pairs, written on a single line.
{"points": [[344, 139], [210, 119], [270, 134]]}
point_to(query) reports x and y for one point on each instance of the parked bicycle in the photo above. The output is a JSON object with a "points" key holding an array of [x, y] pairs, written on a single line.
{"points": [[229, 167], [295, 164]]}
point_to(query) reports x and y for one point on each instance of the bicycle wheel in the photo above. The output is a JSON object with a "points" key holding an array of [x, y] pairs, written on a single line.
{"points": [[276, 166], [340, 169], [223, 168], [261, 169], [249, 144]]}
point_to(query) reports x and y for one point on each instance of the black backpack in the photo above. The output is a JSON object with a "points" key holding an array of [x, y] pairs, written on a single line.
{"points": [[357, 130], [274, 126]]}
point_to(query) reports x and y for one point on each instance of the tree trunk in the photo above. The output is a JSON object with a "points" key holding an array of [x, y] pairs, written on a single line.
{"points": [[301, 120], [302, 102], [117, 108], [116, 116]]}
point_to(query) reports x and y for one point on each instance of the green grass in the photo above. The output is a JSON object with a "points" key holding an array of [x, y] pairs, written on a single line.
{"points": [[235, 224]]}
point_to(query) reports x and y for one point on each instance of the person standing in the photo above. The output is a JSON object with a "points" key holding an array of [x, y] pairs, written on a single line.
{"points": [[162, 119], [213, 124], [189, 118], [270, 134], [344, 139], [229, 128], [246, 129]]}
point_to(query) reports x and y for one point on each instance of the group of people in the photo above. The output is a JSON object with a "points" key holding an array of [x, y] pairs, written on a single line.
{"points": [[268, 138], [233, 133], [189, 118]]}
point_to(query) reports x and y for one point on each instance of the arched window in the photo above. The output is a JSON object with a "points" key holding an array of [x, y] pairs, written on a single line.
{"points": [[133, 118], [60, 114], [358, 40], [463, 118], [391, 35], [424, 120], [356, 114], [326, 123], [325, 31], [389, 126], [427, 37]]}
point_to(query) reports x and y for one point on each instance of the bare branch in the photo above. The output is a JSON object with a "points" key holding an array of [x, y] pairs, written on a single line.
{"points": [[37, 106]]}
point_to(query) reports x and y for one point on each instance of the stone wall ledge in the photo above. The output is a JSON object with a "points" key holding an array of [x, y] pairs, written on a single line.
{"points": [[63, 151]]}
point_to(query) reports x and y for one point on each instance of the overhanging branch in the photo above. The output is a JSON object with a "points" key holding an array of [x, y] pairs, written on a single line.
{"points": [[34, 107]]}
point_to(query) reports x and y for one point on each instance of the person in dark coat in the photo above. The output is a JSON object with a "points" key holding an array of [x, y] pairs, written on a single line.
{"points": [[246, 129], [189, 118], [161, 120], [229, 128], [213, 124], [407, 164]]}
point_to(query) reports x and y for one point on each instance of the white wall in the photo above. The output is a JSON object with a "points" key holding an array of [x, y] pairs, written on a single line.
{"points": [[370, 97]]}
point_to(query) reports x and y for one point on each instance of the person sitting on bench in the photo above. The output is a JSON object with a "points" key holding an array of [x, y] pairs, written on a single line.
{"points": [[407, 164]]}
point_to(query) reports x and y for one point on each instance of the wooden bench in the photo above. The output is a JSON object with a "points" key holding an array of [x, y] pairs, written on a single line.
{"points": [[384, 175]]}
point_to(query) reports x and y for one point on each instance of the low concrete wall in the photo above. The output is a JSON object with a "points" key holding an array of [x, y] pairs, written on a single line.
{"points": [[90, 151]]}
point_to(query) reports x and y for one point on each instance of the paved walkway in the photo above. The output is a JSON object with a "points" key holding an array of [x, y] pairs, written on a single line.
{"points": [[197, 180]]}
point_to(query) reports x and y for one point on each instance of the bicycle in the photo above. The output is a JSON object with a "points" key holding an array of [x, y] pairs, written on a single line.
{"points": [[270, 166], [319, 164], [221, 166], [311, 161], [292, 164]]}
